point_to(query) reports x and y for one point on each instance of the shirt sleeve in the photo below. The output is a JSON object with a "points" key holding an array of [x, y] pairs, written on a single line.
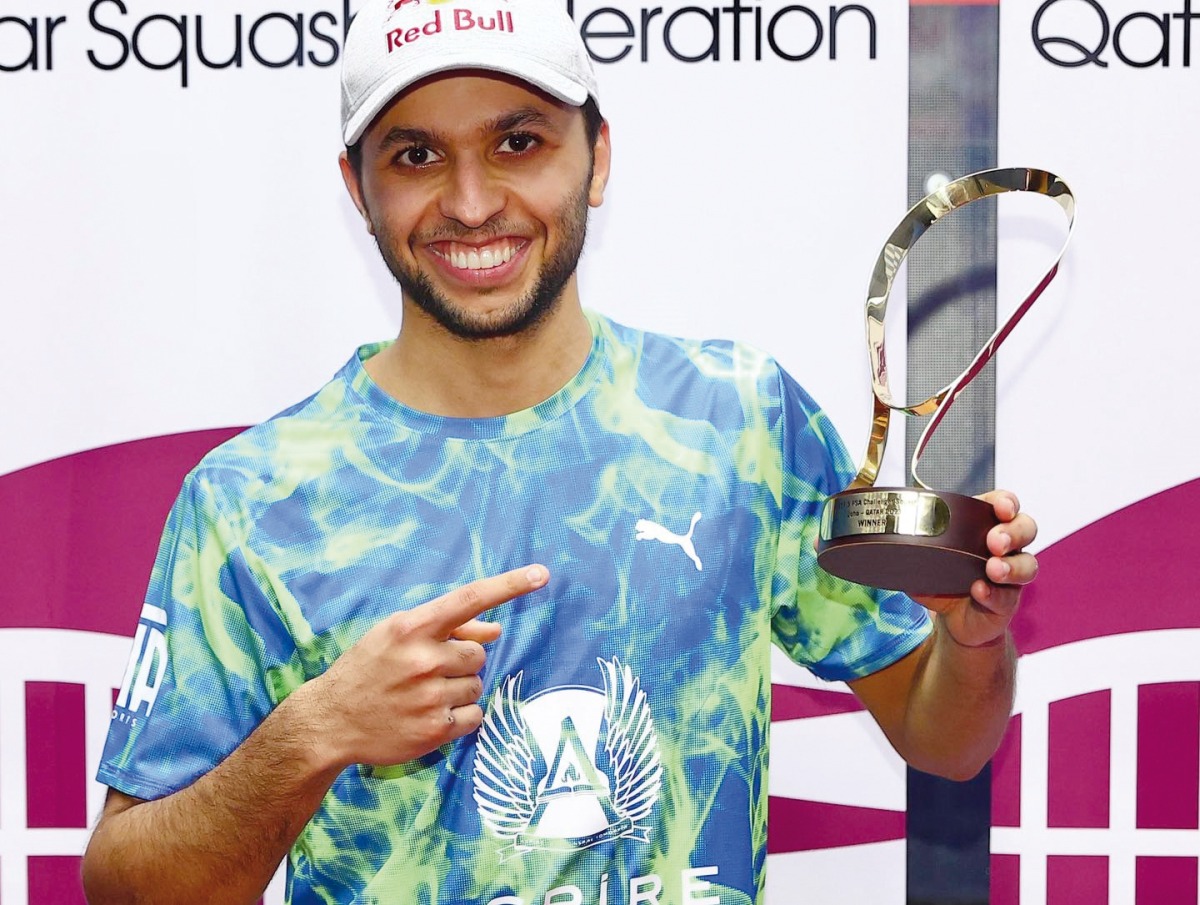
{"points": [[197, 682], [839, 630]]}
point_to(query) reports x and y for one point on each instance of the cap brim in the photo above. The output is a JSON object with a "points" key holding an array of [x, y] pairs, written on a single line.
{"points": [[549, 80]]}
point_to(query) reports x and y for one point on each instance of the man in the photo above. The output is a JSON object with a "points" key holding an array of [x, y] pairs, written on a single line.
{"points": [[625, 521]]}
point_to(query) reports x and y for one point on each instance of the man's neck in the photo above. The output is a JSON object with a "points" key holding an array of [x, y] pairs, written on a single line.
{"points": [[432, 371]]}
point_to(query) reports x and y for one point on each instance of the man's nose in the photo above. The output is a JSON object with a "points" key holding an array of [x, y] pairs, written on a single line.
{"points": [[473, 195]]}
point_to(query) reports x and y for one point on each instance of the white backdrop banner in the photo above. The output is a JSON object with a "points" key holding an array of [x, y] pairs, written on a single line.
{"points": [[177, 258], [1097, 791]]}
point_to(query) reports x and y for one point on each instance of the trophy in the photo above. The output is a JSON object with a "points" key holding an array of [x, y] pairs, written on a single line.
{"points": [[915, 539]]}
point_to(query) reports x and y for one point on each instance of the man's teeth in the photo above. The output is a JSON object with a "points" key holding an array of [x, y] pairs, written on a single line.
{"points": [[481, 258]]}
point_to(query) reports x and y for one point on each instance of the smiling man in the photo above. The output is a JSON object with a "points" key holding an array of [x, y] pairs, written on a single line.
{"points": [[477, 189], [488, 617], [492, 208]]}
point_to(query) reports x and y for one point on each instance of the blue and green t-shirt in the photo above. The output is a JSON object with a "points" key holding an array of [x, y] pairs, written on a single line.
{"points": [[671, 487]]}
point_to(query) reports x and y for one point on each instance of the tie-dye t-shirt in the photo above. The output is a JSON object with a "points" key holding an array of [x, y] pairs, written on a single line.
{"points": [[672, 488]]}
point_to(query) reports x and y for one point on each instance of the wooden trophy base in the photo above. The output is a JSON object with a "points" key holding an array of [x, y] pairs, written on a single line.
{"points": [[906, 539]]}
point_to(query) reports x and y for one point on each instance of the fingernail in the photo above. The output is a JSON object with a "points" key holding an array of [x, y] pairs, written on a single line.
{"points": [[537, 575], [1005, 570], [1006, 541]]}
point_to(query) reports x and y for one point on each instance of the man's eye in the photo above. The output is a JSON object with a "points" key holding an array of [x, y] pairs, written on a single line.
{"points": [[518, 143], [417, 156]]}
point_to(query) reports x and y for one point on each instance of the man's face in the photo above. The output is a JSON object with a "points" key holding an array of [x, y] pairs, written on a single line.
{"points": [[476, 188]]}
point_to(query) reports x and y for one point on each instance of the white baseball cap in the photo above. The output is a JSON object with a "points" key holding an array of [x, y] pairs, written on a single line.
{"points": [[394, 43]]}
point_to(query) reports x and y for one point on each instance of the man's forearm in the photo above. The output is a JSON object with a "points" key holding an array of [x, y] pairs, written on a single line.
{"points": [[959, 705], [408, 686], [221, 839]]}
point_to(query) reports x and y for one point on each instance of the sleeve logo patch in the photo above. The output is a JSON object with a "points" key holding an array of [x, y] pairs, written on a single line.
{"points": [[146, 668]]}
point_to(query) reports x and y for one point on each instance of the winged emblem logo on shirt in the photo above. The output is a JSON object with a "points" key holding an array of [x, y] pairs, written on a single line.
{"points": [[569, 768]]}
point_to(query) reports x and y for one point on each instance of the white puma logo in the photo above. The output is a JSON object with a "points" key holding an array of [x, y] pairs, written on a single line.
{"points": [[648, 530]]}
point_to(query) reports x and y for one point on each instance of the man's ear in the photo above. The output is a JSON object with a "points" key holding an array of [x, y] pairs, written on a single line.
{"points": [[601, 161], [354, 187]]}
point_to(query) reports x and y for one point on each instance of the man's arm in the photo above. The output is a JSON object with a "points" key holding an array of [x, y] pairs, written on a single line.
{"points": [[945, 706], [220, 839], [409, 686]]}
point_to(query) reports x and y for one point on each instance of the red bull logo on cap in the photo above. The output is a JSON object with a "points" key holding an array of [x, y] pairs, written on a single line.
{"points": [[463, 20]]}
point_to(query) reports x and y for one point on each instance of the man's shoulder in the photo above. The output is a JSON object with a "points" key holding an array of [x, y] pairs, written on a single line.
{"points": [[716, 359], [297, 442]]}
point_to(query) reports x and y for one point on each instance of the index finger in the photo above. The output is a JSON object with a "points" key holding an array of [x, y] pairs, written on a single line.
{"points": [[1005, 503], [444, 614]]}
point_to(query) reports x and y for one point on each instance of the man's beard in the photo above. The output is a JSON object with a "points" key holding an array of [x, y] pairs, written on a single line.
{"points": [[570, 223]]}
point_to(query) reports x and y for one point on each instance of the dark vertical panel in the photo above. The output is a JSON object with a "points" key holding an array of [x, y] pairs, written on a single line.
{"points": [[56, 756], [1080, 759], [953, 71], [1168, 759], [952, 270], [948, 840]]}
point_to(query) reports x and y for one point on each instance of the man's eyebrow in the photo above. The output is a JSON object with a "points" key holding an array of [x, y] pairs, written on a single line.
{"points": [[524, 116], [506, 122], [403, 135]]}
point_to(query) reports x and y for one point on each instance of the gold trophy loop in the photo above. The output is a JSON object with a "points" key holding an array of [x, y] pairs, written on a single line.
{"points": [[915, 539]]}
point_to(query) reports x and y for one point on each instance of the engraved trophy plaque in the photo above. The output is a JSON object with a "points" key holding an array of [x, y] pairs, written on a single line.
{"points": [[916, 539]]}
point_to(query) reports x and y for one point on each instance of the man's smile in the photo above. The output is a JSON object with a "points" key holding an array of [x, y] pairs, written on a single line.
{"points": [[487, 257], [478, 257]]}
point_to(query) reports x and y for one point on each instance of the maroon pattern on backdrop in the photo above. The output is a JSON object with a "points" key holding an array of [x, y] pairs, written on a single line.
{"points": [[1131, 571], [1128, 573], [1080, 731], [88, 529]]}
